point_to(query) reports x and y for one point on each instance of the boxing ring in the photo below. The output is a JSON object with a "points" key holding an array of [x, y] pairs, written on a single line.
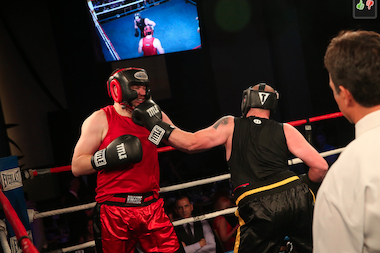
{"points": [[26, 243]]}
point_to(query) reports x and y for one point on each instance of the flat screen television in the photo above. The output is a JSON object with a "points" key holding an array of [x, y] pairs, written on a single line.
{"points": [[175, 24]]}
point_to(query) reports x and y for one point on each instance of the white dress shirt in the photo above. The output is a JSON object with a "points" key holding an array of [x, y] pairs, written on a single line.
{"points": [[347, 209]]}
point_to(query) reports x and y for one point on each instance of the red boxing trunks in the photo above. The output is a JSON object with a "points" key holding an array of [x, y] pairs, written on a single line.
{"points": [[123, 227]]}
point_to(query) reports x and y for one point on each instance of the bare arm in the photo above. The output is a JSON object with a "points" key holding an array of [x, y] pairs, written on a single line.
{"points": [[215, 135], [149, 22], [93, 131], [299, 147], [158, 46], [222, 225], [139, 50]]}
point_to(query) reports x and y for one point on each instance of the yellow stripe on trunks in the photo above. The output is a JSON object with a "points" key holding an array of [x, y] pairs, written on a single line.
{"points": [[267, 187]]}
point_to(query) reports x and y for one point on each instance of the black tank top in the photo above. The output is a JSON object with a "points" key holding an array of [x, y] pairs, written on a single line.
{"points": [[141, 25], [259, 151]]}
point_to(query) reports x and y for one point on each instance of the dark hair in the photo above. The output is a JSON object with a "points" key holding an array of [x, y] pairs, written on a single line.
{"points": [[353, 61], [181, 197]]}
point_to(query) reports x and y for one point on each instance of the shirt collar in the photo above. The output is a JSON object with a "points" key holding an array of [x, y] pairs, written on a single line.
{"points": [[368, 122]]}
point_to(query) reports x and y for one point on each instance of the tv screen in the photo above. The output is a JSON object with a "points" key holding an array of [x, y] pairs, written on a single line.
{"points": [[132, 29]]}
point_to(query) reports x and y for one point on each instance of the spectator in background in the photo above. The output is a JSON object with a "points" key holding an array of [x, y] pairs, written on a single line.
{"points": [[195, 236], [89, 236], [225, 225], [76, 221], [323, 146]]}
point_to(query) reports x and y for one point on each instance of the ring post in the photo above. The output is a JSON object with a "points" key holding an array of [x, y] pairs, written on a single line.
{"points": [[11, 181]]}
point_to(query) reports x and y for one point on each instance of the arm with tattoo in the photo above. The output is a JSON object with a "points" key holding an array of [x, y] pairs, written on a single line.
{"points": [[217, 134]]}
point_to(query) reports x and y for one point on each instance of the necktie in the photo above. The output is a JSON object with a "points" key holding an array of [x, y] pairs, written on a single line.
{"points": [[189, 230]]}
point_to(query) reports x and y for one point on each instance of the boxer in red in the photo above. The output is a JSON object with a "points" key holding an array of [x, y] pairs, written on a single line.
{"points": [[129, 210]]}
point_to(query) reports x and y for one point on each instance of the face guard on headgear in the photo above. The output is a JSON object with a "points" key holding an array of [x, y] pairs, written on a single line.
{"points": [[259, 99], [148, 30], [123, 79]]}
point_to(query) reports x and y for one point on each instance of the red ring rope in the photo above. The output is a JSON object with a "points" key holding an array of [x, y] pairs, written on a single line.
{"points": [[317, 118], [18, 227], [169, 148]]}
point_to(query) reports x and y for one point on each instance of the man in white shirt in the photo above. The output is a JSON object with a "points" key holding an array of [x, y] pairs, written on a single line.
{"points": [[195, 236], [347, 210]]}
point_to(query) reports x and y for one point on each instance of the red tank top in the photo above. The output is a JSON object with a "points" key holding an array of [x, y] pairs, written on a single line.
{"points": [[130, 178], [148, 47]]}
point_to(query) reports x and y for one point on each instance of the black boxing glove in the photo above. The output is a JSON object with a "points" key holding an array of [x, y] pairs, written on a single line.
{"points": [[124, 149], [313, 186], [136, 32], [148, 115]]}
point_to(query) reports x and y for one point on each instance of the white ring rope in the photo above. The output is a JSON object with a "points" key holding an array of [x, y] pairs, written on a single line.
{"points": [[37, 215], [323, 154], [116, 8], [63, 210], [195, 183], [76, 247], [205, 216], [4, 242], [3, 237], [172, 188]]}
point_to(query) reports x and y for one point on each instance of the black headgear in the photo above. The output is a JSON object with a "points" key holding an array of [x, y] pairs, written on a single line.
{"points": [[122, 79], [259, 99]]}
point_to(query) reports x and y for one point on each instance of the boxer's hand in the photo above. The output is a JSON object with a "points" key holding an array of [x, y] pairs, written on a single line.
{"points": [[313, 186], [148, 114], [124, 149], [136, 33]]}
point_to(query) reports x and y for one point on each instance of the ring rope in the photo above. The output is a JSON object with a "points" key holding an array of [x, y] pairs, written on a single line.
{"points": [[104, 36], [170, 188], [316, 118], [3, 237], [76, 247], [18, 227], [37, 215], [116, 8]]}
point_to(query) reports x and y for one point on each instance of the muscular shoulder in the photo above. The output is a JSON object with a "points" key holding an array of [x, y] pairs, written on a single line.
{"points": [[96, 121], [290, 131], [225, 121]]}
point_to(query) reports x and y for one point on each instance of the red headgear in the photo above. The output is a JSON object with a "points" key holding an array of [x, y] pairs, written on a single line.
{"points": [[148, 30], [122, 79]]}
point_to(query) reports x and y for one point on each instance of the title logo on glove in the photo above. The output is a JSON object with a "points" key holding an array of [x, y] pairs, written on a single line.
{"points": [[153, 111], [122, 154], [156, 134], [100, 158]]}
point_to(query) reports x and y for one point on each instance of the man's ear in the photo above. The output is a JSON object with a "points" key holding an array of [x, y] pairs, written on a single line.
{"points": [[346, 95]]}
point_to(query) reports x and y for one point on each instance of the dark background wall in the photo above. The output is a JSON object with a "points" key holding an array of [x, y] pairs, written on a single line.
{"points": [[52, 75]]}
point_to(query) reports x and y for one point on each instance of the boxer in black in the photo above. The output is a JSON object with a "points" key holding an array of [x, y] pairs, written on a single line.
{"points": [[273, 202]]}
